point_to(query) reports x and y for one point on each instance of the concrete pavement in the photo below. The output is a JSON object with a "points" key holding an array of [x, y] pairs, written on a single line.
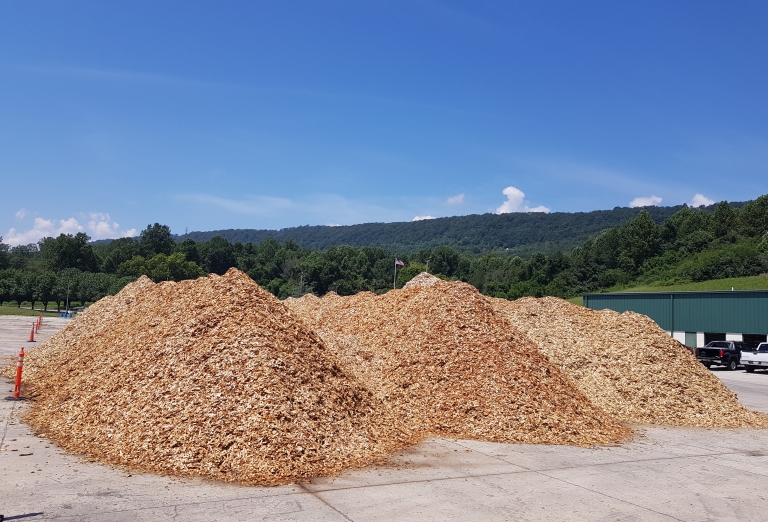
{"points": [[664, 474], [14, 333]]}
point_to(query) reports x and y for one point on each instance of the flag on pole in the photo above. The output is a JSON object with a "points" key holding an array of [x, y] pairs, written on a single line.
{"points": [[397, 263]]}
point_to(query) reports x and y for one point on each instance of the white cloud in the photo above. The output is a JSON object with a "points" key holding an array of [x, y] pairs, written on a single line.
{"points": [[42, 228], [645, 201], [100, 226], [701, 200], [422, 218], [516, 202], [455, 200], [21, 214]]}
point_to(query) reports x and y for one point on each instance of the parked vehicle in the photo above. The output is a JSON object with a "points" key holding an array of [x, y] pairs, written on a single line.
{"points": [[722, 353], [757, 358]]}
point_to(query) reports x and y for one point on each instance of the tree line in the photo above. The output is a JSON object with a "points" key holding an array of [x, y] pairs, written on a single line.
{"points": [[690, 245], [519, 233]]}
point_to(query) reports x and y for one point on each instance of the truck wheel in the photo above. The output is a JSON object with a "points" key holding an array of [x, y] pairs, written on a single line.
{"points": [[732, 365], [749, 368], [707, 365]]}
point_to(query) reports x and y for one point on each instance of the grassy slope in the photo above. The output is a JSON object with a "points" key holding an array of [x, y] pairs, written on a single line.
{"points": [[12, 310], [737, 283]]}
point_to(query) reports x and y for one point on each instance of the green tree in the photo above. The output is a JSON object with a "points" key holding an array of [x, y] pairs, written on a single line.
{"points": [[68, 251], [217, 255], [753, 218], [172, 268], [724, 220], [118, 252], [20, 257], [407, 273], [189, 248], [44, 288], [640, 239], [4, 263], [161, 268], [762, 246], [157, 239], [26, 289], [64, 288]]}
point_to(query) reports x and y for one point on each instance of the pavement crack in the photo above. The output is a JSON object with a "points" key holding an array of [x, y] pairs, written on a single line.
{"points": [[321, 499]]}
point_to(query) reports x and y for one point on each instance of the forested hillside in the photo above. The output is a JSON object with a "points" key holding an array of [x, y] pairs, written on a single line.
{"points": [[691, 245], [522, 233]]}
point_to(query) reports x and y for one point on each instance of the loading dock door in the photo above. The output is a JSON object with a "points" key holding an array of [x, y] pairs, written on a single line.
{"points": [[713, 336], [690, 340], [754, 339]]}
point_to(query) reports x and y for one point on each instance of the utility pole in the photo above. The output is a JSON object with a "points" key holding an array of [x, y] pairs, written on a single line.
{"points": [[69, 278]]}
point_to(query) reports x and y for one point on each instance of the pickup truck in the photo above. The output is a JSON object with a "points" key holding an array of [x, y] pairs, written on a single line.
{"points": [[757, 358], [722, 353]]}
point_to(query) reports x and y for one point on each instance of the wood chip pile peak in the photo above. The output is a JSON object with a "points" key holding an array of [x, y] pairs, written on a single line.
{"points": [[448, 365], [627, 365], [212, 377], [422, 280]]}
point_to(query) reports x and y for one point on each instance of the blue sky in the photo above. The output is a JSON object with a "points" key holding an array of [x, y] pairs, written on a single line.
{"points": [[212, 115]]}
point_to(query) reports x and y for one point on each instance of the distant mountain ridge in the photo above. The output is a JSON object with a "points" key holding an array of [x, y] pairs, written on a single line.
{"points": [[519, 233]]}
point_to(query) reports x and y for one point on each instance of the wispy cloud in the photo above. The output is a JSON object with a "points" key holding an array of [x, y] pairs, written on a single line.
{"points": [[516, 202], [99, 226], [565, 171], [645, 201], [120, 76], [21, 214], [253, 206], [315, 208], [455, 200], [422, 218], [700, 200]]}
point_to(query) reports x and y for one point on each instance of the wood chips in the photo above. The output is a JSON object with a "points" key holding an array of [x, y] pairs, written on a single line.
{"points": [[211, 377], [422, 280], [217, 378], [627, 365], [448, 365]]}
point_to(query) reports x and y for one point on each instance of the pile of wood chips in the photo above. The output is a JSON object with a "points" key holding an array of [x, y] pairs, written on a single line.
{"points": [[422, 280], [217, 378], [212, 377], [448, 365], [627, 365]]}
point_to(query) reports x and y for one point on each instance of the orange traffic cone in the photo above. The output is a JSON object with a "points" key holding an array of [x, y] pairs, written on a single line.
{"points": [[19, 365], [32, 334]]}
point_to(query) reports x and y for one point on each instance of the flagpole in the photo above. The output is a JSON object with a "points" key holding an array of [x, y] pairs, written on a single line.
{"points": [[394, 281]]}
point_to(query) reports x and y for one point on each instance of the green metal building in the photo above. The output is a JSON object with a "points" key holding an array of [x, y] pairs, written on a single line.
{"points": [[696, 318]]}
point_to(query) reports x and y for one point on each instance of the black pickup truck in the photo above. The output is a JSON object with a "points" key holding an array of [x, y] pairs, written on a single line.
{"points": [[722, 353]]}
